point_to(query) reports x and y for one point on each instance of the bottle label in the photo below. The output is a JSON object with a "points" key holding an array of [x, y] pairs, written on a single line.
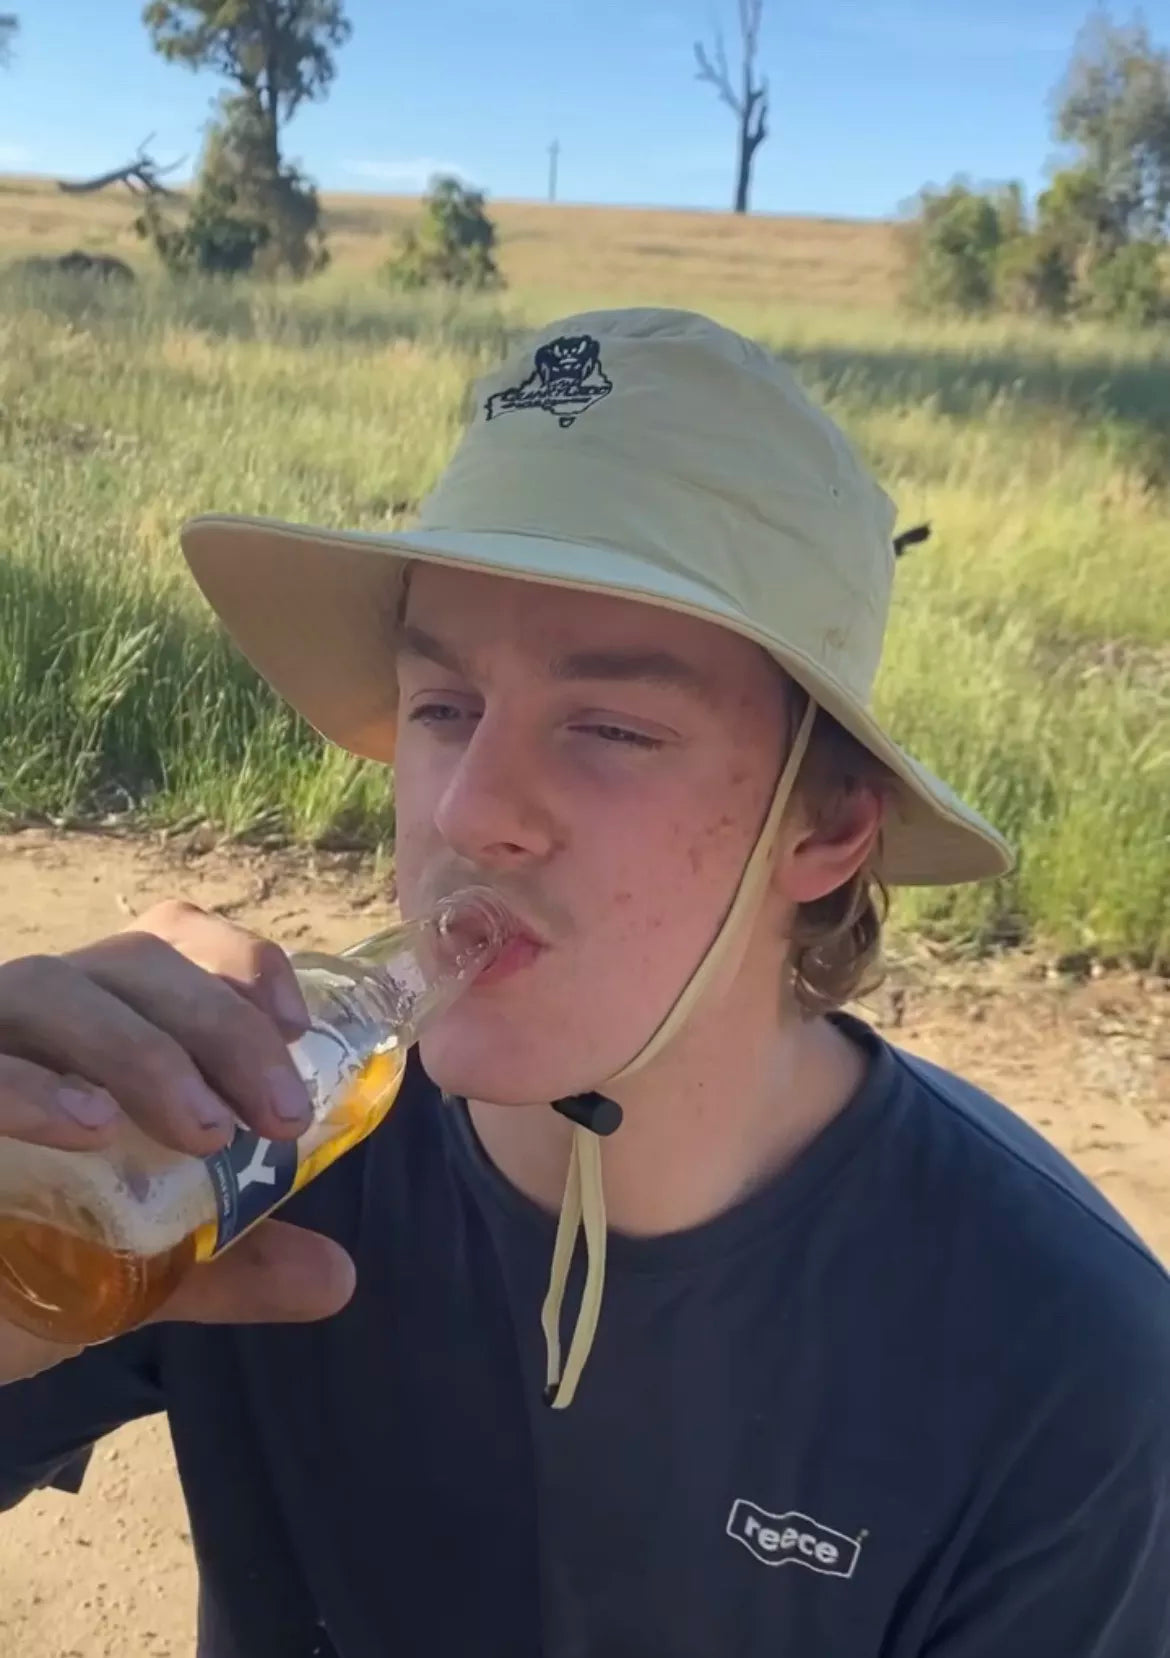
{"points": [[249, 1177]]}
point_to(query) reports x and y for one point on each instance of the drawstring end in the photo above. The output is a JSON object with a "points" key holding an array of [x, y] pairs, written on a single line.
{"points": [[583, 1206]]}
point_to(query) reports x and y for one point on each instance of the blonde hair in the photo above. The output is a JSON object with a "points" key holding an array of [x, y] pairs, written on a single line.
{"points": [[836, 941]]}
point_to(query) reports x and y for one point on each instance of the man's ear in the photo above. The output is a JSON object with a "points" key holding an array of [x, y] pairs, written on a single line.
{"points": [[829, 846]]}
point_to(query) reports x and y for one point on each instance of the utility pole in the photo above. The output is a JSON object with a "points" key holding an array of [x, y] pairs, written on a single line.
{"points": [[554, 151]]}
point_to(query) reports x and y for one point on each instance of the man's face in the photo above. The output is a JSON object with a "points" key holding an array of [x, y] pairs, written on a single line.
{"points": [[605, 766]]}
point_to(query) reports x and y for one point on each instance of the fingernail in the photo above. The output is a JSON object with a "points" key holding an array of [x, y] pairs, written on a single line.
{"points": [[208, 1109], [290, 1004], [288, 1097], [92, 1107]]}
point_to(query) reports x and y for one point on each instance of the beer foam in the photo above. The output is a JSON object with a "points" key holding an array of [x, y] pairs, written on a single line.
{"points": [[135, 1195], [143, 1198]]}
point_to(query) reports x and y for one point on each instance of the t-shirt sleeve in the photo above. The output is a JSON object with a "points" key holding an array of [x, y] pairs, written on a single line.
{"points": [[1069, 1551], [50, 1423]]}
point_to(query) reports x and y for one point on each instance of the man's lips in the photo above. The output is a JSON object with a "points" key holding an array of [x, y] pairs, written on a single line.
{"points": [[519, 952]]}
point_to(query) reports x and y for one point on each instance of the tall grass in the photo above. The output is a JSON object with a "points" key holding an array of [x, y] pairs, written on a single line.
{"points": [[1029, 652]]}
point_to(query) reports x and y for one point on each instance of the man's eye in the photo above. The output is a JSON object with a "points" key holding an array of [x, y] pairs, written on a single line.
{"points": [[438, 713], [621, 734]]}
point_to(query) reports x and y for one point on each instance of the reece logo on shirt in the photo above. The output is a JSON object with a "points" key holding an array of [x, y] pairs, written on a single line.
{"points": [[793, 1539]]}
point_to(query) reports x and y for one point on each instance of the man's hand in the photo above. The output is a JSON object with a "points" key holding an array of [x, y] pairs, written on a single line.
{"points": [[177, 1022]]}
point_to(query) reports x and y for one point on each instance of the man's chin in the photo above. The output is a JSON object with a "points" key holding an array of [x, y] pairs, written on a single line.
{"points": [[497, 1079]]}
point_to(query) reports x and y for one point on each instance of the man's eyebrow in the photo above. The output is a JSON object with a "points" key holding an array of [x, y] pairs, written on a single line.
{"points": [[652, 667], [415, 641], [621, 666]]}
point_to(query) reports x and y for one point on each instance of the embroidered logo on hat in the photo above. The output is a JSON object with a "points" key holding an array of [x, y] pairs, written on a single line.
{"points": [[567, 380]]}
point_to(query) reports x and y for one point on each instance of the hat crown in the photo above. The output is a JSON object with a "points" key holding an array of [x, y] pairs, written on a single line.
{"points": [[668, 436], [650, 454]]}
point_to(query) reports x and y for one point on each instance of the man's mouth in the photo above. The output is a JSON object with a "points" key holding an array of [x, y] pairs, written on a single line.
{"points": [[520, 952], [528, 937]]}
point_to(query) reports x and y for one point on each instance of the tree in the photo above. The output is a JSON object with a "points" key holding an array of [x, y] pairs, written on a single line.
{"points": [[748, 101], [142, 176], [242, 217], [1114, 105], [1034, 276], [1128, 287], [454, 245], [9, 24], [237, 161], [220, 237], [1012, 206], [1076, 214], [278, 52], [252, 210], [954, 244]]}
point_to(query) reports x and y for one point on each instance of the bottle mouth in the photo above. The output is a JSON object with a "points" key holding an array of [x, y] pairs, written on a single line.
{"points": [[472, 928]]}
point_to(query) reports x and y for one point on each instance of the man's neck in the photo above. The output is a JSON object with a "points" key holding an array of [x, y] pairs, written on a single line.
{"points": [[707, 1123]]}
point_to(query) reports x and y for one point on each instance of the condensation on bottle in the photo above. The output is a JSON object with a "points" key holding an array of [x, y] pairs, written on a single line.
{"points": [[92, 1243]]}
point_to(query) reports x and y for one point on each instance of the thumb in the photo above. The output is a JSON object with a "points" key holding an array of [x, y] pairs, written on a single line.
{"points": [[277, 1273]]}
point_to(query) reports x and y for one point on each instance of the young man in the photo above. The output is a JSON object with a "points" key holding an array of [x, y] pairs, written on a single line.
{"points": [[869, 1371]]}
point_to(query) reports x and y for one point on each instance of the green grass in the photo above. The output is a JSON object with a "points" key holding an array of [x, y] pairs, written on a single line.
{"points": [[1029, 654]]}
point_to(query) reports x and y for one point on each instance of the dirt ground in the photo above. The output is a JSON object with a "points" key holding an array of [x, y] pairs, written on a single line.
{"points": [[108, 1574]]}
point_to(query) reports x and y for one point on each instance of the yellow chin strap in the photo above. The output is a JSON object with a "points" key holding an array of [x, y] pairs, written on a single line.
{"points": [[584, 1199]]}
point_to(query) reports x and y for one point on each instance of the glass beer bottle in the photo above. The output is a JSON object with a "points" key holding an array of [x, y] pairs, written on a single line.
{"points": [[93, 1242]]}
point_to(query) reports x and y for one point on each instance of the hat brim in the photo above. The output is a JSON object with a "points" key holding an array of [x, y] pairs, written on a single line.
{"points": [[314, 611]]}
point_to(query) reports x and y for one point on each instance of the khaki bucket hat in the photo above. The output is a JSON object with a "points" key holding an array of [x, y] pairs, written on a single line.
{"points": [[647, 453], [653, 455]]}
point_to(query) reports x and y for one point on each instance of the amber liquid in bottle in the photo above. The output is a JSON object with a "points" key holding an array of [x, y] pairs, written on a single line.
{"points": [[58, 1283], [93, 1243]]}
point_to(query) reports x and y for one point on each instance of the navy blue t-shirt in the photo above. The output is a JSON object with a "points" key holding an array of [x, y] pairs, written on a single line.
{"points": [[911, 1399]]}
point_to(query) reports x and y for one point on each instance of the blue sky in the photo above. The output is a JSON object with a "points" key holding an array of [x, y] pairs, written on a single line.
{"points": [[870, 98]]}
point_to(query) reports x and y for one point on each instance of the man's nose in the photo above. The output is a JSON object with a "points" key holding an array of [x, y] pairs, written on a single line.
{"points": [[493, 811]]}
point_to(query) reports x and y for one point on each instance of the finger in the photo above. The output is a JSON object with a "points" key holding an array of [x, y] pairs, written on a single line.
{"points": [[58, 1017], [238, 1049], [39, 1105], [254, 967], [277, 1273]]}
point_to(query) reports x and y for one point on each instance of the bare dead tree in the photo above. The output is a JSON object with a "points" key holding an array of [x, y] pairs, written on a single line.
{"points": [[140, 176], [748, 101]]}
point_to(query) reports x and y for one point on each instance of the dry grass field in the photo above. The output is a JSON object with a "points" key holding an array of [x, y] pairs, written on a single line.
{"points": [[655, 256]]}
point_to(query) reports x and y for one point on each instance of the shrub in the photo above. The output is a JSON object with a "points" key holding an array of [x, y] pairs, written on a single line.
{"points": [[452, 247], [217, 239], [249, 213], [953, 245], [1075, 214], [1035, 276], [1129, 287]]}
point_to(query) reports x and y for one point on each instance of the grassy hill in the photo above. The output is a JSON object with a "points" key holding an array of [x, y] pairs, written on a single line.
{"points": [[653, 254], [1029, 654]]}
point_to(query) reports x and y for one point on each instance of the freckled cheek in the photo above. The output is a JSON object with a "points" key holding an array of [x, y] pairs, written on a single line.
{"points": [[640, 902], [633, 891], [677, 851], [717, 850]]}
